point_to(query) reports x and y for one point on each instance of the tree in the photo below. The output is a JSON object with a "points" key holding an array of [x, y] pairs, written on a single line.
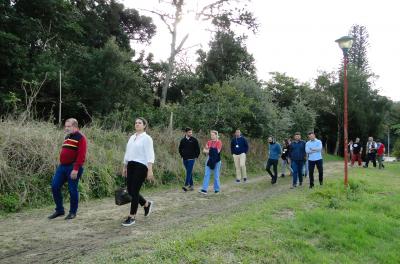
{"points": [[219, 12], [227, 57]]}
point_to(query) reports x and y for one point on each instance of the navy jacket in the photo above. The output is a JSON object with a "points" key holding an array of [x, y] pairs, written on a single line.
{"points": [[241, 142], [213, 158], [297, 150]]}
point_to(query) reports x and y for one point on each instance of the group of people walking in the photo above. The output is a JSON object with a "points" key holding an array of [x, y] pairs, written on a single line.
{"points": [[374, 150], [139, 159]]}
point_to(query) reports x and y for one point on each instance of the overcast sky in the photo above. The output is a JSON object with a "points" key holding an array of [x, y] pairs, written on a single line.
{"points": [[297, 37]]}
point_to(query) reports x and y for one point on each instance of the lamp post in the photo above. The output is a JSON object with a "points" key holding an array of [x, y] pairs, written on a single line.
{"points": [[345, 44]]}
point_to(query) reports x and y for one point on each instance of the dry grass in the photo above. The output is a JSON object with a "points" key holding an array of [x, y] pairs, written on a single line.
{"points": [[29, 155]]}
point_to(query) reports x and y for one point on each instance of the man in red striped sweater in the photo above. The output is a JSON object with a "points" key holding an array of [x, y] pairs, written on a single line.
{"points": [[70, 169]]}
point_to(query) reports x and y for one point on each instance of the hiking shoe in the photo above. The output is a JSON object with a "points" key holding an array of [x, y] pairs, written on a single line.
{"points": [[203, 192], [237, 181], [55, 214], [70, 216], [147, 209], [129, 221]]}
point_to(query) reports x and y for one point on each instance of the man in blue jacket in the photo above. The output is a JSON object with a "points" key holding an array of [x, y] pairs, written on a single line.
{"points": [[297, 153], [239, 148], [274, 153]]}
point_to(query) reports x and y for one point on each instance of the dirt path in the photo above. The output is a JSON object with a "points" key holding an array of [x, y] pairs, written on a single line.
{"points": [[31, 238]]}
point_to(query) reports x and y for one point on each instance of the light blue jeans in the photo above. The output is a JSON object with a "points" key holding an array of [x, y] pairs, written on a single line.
{"points": [[207, 174]]}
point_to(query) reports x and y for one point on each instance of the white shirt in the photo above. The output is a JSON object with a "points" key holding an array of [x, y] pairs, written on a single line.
{"points": [[139, 149]]}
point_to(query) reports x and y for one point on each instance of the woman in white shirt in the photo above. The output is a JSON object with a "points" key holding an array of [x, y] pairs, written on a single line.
{"points": [[138, 166]]}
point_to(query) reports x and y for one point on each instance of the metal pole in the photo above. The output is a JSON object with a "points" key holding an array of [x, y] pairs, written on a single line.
{"points": [[60, 102], [345, 123]]}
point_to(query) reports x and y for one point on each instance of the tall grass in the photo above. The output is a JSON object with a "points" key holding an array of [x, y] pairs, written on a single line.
{"points": [[29, 154]]}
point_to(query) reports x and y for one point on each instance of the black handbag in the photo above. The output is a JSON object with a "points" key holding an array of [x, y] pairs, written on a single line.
{"points": [[122, 196]]}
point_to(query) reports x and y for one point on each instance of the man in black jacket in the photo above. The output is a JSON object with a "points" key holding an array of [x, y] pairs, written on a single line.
{"points": [[189, 150]]}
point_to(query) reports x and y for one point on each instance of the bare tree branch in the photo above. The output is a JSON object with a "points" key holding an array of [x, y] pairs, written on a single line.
{"points": [[162, 17]]}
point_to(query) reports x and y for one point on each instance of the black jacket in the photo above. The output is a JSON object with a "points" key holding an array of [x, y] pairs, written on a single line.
{"points": [[189, 148]]}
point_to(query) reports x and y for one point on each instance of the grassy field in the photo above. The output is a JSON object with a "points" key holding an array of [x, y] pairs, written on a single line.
{"points": [[328, 224]]}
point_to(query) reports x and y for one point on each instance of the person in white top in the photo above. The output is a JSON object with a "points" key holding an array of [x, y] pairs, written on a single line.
{"points": [[138, 166]]}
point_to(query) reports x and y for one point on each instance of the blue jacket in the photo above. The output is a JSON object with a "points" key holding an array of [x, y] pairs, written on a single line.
{"points": [[241, 142], [274, 151], [297, 150]]}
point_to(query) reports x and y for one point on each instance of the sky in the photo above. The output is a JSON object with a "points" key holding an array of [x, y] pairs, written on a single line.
{"points": [[298, 37]]}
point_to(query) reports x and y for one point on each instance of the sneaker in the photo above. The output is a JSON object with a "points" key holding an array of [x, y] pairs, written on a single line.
{"points": [[129, 221], [216, 192], [203, 192], [244, 179], [237, 181], [282, 175], [191, 188], [147, 210], [293, 187], [70, 216], [311, 186], [184, 188], [55, 214]]}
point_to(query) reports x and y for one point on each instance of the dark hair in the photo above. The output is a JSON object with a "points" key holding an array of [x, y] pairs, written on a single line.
{"points": [[310, 132], [145, 123], [188, 129], [297, 133]]}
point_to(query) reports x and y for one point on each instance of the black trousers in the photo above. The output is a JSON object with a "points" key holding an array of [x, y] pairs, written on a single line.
{"points": [[371, 157], [311, 166], [274, 163], [136, 175]]}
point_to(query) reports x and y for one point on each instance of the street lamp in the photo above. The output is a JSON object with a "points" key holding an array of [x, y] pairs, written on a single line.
{"points": [[345, 44]]}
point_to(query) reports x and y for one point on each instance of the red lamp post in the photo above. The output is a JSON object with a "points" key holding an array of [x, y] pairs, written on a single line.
{"points": [[345, 44]]}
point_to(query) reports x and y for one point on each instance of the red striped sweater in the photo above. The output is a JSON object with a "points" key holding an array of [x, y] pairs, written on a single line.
{"points": [[73, 150]]}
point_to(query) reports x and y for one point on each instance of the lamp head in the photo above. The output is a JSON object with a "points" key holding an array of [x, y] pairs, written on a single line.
{"points": [[345, 43]]}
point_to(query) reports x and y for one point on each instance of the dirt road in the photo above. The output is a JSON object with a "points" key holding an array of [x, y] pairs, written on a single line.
{"points": [[30, 237]]}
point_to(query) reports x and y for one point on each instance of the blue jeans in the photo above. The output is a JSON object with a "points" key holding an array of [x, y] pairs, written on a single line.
{"points": [[62, 175], [216, 176], [189, 169], [297, 167]]}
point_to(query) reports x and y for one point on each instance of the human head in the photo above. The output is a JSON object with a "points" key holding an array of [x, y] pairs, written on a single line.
{"points": [[378, 140], [71, 125], [140, 124], [357, 140], [311, 135], [297, 136], [188, 131], [237, 133], [271, 139], [370, 138], [214, 134]]}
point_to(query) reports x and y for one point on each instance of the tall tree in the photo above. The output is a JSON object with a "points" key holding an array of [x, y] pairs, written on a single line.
{"points": [[227, 57], [219, 12]]}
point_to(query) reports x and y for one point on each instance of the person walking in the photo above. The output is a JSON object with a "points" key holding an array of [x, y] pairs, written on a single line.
{"points": [[371, 152], [314, 152], [189, 150], [138, 166], [357, 150], [239, 149], [274, 152], [380, 153], [297, 154], [70, 169], [350, 149], [285, 158], [213, 162]]}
